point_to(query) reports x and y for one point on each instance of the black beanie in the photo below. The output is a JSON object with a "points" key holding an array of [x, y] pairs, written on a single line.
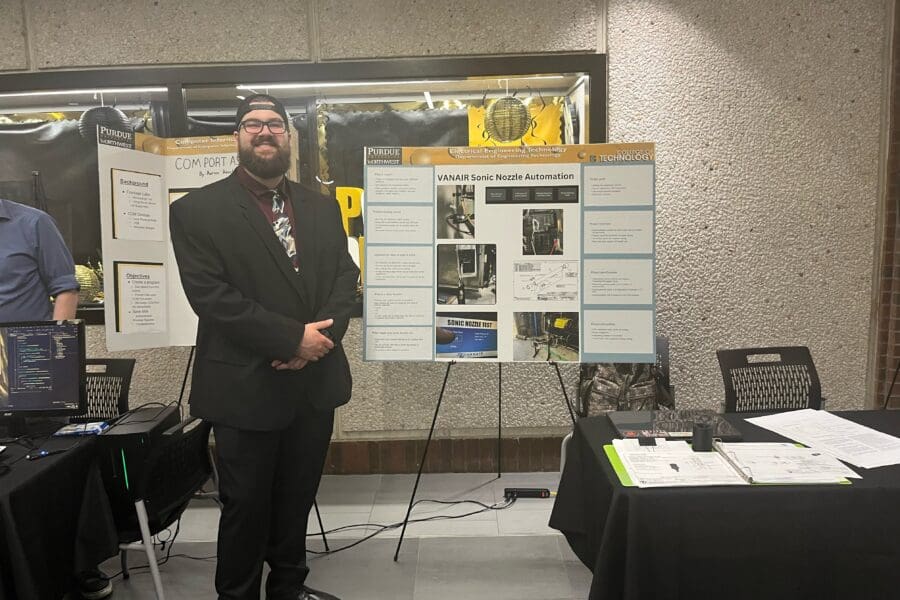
{"points": [[259, 102]]}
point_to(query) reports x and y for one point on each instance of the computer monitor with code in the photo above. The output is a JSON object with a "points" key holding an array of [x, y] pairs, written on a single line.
{"points": [[42, 371]]}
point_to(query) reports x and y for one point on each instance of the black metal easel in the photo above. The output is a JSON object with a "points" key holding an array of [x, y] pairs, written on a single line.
{"points": [[887, 396], [437, 409], [215, 494]]}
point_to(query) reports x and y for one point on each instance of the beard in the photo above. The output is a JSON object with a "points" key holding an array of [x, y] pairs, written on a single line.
{"points": [[265, 167]]}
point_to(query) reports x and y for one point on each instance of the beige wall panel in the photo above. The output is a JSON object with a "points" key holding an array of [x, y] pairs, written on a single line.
{"points": [[128, 32], [12, 31], [385, 28], [767, 119]]}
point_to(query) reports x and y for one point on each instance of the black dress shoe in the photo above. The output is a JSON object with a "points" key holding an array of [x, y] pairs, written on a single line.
{"points": [[310, 594], [94, 585]]}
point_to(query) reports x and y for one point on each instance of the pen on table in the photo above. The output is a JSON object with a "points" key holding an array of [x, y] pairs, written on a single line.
{"points": [[43, 453]]}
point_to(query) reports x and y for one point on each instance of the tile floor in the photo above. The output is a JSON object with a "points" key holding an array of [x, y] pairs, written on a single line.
{"points": [[501, 554]]}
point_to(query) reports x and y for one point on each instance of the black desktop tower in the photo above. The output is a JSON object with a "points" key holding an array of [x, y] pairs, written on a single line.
{"points": [[125, 450]]}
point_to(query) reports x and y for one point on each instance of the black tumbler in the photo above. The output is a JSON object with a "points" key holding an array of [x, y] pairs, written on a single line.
{"points": [[701, 440]]}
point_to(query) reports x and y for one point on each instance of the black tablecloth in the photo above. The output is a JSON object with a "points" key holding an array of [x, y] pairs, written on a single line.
{"points": [[54, 519], [759, 542]]}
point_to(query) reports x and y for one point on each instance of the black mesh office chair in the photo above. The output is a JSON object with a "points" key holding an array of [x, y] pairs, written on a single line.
{"points": [[769, 379], [176, 468], [108, 380]]}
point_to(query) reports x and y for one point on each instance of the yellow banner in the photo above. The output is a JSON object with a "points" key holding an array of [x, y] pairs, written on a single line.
{"points": [[215, 144], [578, 153]]}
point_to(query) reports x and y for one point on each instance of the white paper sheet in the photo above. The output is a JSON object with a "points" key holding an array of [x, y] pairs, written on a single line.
{"points": [[674, 464], [763, 462], [851, 442]]}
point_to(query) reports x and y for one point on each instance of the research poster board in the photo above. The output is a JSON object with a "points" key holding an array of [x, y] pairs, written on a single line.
{"points": [[512, 254], [140, 175]]}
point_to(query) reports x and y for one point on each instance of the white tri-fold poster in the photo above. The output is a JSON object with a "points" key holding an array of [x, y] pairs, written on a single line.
{"points": [[140, 175], [530, 253]]}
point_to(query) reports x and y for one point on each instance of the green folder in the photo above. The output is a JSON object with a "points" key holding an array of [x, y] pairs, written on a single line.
{"points": [[617, 465]]}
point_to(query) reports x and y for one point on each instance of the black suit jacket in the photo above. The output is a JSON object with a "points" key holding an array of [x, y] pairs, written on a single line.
{"points": [[252, 305]]}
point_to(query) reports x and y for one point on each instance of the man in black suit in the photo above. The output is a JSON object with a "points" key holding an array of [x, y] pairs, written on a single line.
{"points": [[264, 264]]}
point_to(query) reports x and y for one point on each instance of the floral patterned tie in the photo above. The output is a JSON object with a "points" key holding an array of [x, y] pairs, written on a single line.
{"points": [[282, 226]]}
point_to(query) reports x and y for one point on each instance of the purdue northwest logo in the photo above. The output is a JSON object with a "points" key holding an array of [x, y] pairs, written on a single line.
{"points": [[383, 156]]}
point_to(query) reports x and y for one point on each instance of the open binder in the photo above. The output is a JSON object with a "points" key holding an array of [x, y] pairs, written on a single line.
{"points": [[675, 464]]}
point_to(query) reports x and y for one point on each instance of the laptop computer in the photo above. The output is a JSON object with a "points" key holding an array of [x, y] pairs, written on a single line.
{"points": [[671, 424]]}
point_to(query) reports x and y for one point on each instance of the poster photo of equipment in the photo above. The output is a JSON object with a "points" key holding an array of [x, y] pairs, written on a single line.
{"points": [[455, 212], [467, 274], [542, 231], [465, 335], [543, 336]]}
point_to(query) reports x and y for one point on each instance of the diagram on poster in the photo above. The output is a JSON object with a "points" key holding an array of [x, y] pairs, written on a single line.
{"points": [[545, 281], [530, 253]]}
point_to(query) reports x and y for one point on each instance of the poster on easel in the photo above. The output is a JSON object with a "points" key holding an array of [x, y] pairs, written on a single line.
{"points": [[510, 254], [140, 175]]}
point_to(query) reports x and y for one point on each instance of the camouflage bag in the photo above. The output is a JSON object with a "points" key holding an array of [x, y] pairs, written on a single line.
{"points": [[622, 386]]}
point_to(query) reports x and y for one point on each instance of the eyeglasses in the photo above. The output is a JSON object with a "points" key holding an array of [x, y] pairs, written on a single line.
{"points": [[253, 126]]}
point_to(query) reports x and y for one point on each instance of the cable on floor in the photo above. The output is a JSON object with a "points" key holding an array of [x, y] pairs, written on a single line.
{"points": [[382, 528], [316, 554]]}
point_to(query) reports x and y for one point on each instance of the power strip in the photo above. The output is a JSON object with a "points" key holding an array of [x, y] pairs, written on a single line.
{"points": [[526, 493]]}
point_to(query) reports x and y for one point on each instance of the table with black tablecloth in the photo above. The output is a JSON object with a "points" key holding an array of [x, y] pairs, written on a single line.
{"points": [[54, 518], [761, 541]]}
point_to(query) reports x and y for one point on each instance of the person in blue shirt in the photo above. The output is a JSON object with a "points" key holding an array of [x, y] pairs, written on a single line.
{"points": [[34, 265]]}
